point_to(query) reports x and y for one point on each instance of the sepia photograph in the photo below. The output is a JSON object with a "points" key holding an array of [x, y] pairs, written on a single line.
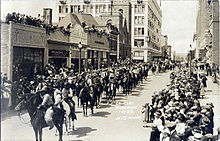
{"points": [[110, 70]]}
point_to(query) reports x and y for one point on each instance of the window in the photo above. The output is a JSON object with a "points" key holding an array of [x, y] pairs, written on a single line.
{"points": [[135, 9], [84, 8], [60, 9], [109, 8], [135, 31], [142, 19], [71, 9], [139, 20], [96, 9], [139, 31], [142, 9], [66, 10], [138, 53], [104, 8], [78, 8], [139, 42], [142, 31], [136, 20], [91, 8]]}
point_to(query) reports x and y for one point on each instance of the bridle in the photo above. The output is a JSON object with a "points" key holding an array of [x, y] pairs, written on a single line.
{"points": [[21, 117], [19, 111]]}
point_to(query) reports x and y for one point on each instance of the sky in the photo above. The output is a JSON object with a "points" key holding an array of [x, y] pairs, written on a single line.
{"points": [[178, 21]]}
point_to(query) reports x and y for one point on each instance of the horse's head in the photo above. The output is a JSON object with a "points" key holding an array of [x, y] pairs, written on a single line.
{"points": [[21, 104], [26, 101]]}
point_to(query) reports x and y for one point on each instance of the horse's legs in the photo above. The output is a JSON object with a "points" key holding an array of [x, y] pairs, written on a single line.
{"points": [[78, 100], [66, 126], [83, 109], [72, 124], [86, 107], [91, 106], [36, 133], [60, 130], [40, 133]]}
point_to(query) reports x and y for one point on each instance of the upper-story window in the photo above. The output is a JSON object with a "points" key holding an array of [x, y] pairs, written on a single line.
{"points": [[142, 9], [71, 9], [66, 10], [139, 8], [139, 19], [91, 8], [104, 8], [96, 9], [135, 9], [60, 9]]}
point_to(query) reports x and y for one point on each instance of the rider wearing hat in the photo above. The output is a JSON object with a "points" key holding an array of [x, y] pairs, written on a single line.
{"points": [[47, 106]]}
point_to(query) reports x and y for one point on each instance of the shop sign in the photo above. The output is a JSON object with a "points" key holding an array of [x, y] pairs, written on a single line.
{"points": [[58, 53], [98, 42]]}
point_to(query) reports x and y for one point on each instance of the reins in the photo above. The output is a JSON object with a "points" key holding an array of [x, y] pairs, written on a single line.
{"points": [[22, 119], [19, 113]]}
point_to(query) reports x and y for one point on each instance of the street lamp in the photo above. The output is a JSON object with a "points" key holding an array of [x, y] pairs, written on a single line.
{"points": [[80, 48], [190, 63]]}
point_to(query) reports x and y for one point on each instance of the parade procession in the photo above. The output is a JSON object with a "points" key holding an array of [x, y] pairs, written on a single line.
{"points": [[110, 70]]}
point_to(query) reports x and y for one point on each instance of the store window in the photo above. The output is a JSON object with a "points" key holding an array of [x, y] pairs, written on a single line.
{"points": [[28, 60]]}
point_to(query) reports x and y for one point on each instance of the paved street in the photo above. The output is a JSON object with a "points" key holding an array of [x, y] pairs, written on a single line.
{"points": [[115, 122]]}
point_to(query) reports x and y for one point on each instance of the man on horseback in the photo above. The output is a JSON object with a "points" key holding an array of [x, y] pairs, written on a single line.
{"points": [[68, 95], [46, 105]]}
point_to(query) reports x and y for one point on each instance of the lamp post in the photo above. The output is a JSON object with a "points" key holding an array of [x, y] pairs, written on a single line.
{"points": [[190, 60], [80, 48]]}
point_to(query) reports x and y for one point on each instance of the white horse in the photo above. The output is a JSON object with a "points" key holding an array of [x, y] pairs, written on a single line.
{"points": [[69, 120]]}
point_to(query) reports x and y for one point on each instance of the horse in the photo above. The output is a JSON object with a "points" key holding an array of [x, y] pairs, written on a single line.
{"points": [[86, 95], [97, 93], [31, 103], [69, 115], [111, 92]]}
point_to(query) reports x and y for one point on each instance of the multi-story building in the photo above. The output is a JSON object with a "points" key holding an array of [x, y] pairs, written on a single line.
{"points": [[143, 19], [164, 44], [97, 8], [207, 31], [146, 29], [107, 22]]}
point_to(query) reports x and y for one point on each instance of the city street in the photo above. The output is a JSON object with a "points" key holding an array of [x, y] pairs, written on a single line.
{"points": [[121, 121]]}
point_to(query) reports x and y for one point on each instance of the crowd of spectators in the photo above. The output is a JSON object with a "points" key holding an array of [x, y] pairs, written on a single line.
{"points": [[176, 112], [33, 21]]}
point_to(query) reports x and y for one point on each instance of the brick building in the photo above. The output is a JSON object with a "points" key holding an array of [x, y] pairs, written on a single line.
{"points": [[207, 31]]}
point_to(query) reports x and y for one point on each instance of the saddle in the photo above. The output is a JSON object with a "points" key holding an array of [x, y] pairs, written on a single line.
{"points": [[71, 104]]}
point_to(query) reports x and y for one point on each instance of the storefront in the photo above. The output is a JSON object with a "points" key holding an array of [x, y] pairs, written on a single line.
{"points": [[58, 57], [23, 52], [27, 62]]}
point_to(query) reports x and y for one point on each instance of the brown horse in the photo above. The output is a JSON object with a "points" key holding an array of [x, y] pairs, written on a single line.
{"points": [[31, 103]]}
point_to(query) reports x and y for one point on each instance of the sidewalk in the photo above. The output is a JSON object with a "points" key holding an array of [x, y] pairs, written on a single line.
{"points": [[212, 94]]}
